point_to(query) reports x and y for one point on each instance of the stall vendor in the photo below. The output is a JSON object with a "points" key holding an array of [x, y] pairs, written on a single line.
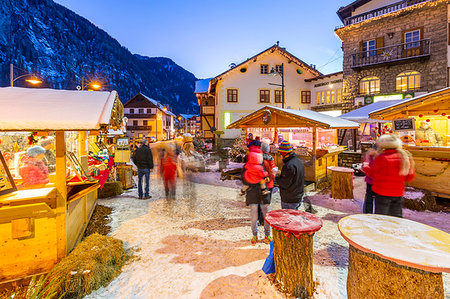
{"points": [[33, 171], [48, 144], [425, 132]]}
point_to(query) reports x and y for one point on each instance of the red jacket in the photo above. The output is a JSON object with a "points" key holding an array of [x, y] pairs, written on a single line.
{"points": [[168, 168], [253, 169], [33, 173], [385, 173], [269, 164]]}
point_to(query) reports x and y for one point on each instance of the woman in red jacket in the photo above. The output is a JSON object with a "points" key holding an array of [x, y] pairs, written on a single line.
{"points": [[391, 169], [33, 171]]}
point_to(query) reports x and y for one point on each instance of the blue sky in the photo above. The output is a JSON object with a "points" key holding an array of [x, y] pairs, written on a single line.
{"points": [[206, 36]]}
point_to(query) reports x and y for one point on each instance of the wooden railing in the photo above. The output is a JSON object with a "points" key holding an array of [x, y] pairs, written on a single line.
{"points": [[130, 128], [389, 54], [381, 11], [139, 115]]}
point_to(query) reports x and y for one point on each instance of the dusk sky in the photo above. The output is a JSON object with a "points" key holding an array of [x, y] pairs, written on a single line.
{"points": [[205, 37]]}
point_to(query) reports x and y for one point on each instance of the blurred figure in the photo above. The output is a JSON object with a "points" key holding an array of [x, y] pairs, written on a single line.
{"points": [[168, 172], [143, 159], [369, 199], [425, 132], [48, 144], [392, 167], [33, 171]]}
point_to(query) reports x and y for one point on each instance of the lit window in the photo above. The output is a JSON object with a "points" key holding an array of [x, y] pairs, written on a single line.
{"points": [[264, 68], [226, 119], [318, 98], [264, 96], [368, 48], [322, 97], [408, 81], [328, 96], [232, 95], [369, 85], [145, 122], [305, 97], [333, 96], [278, 96], [338, 95]]}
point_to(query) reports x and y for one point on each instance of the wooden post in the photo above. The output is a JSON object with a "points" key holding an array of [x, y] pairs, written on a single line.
{"points": [[314, 141], [82, 145], [341, 182], [61, 197]]}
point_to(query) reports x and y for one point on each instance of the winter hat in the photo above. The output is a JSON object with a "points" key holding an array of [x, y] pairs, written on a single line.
{"points": [[46, 141], [265, 147], [389, 141], [285, 147], [35, 151]]}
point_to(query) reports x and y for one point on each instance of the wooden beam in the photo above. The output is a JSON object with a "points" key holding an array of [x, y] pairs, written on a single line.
{"points": [[61, 196]]}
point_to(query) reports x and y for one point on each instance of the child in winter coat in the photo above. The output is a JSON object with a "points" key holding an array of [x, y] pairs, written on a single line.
{"points": [[254, 172]]}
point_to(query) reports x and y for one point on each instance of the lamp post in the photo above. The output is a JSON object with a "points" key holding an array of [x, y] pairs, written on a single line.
{"points": [[33, 80], [273, 72], [94, 85]]}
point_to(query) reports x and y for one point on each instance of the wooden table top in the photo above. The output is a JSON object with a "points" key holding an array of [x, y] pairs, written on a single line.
{"points": [[400, 240], [340, 169]]}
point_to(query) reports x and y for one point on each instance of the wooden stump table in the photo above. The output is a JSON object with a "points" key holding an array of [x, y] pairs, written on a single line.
{"points": [[292, 247], [392, 257], [341, 182]]}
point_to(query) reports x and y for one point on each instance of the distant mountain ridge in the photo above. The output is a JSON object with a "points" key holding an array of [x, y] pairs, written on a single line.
{"points": [[62, 47]]}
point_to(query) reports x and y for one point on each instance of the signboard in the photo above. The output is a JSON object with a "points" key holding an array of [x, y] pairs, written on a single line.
{"points": [[368, 100], [388, 97], [404, 124], [123, 143]]}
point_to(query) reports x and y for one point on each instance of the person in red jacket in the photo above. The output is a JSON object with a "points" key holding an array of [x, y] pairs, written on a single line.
{"points": [[33, 171], [391, 169], [255, 168], [168, 172]]}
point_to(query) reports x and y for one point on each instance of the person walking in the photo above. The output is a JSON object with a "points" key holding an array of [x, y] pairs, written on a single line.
{"points": [[291, 179], [370, 195], [143, 159], [252, 175], [392, 167], [168, 172]]}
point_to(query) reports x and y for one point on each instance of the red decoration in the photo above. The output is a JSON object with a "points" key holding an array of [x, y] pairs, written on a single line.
{"points": [[443, 114], [428, 120], [435, 111], [370, 138], [420, 115], [448, 117]]}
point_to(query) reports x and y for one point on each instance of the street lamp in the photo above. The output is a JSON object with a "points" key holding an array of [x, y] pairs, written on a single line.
{"points": [[33, 80], [93, 85], [273, 72]]}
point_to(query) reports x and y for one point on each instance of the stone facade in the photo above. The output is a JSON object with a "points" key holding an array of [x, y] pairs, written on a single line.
{"points": [[430, 18]]}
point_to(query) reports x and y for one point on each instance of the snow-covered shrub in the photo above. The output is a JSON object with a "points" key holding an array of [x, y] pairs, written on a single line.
{"points": [[238, 150]]}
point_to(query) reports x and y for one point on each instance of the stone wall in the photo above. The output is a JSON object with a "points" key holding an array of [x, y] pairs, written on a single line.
{"points": [[431, 18], [347, 158]]}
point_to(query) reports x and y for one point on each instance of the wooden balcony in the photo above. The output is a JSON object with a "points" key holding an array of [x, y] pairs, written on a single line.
{"points": [[139, 115], [139, 128], [381, 11], [391, 54]]}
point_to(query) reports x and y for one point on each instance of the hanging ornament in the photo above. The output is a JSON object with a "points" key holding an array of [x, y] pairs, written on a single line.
{"points": [[448, 117], [435, 111], [32, 138], [16, 147], [443, 114], [1, 141], [428, 120], [420, 115], [370, 138]]}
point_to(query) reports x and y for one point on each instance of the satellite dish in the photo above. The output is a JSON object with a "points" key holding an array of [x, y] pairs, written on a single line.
{"points": [[78, 87]]}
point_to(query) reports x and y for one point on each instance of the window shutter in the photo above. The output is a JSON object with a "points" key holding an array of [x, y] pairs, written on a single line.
{"points": [[379, 43], [361, 46], [421, 33]]}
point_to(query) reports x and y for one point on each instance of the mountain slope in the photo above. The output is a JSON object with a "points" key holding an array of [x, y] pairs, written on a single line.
{"points": [[62, 47]]}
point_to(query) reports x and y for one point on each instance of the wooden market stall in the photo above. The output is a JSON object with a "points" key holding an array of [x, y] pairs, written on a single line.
{"points": [[423, 123], [40, 224], [313, 134]]}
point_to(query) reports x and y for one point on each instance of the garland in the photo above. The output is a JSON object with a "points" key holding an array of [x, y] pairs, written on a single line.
{"points": [[437, 174]]}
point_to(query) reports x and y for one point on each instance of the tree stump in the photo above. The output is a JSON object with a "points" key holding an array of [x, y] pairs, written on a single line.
{"points": [[370, 276], [293, 248], [341, 182]]}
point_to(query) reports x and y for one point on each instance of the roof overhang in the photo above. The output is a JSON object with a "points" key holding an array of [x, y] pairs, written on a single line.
{"points": [[432, 103]]}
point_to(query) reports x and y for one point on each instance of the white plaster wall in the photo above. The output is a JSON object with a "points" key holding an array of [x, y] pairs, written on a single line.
{"points": [[374, 4], [330, 86], [249, 83]]}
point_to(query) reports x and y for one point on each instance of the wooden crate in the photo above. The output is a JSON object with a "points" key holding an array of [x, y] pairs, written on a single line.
{"points": [[125, 174]]}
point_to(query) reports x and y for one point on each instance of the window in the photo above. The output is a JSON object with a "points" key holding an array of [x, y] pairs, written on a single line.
{"points": [[131, 111], [264, 96], [322, 97], [408, 81], [338, 95], [318, 98], [145, 122], [368, 48], [305, 97], [333, 96], [141, 110], [279, 68], [135, 123], [278, 96], [149, 110], [264, 68], [369, 85], [232, 95], [226, 119], [412, 38], [328, 96]]}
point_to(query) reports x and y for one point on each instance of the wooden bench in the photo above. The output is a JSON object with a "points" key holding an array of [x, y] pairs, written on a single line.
{"points": [[392, 257]]}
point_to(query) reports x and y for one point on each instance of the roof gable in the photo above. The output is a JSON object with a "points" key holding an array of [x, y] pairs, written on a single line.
{"points": [[142, 101]]}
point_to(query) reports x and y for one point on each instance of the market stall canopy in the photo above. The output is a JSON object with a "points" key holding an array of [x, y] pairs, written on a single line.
{"points": [[34, 109], [361, 115], [290, 118], [436, 102]]}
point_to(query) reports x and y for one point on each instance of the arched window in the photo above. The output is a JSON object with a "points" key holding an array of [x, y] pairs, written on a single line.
{"points": [[369, 85], [409, 80]]}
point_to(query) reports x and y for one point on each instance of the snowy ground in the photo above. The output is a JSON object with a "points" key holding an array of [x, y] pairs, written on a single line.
{"points": [[199, 245]]}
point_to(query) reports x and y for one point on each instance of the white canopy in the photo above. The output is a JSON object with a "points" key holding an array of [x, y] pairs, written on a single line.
{"points": [[35, 109]]}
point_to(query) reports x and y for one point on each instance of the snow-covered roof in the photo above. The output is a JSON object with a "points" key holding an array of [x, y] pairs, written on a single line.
{"points": [[170, 113], [112, 132], [187, 116], [36, 109], [361, 115], [306, 118], [154, 102], [202, 86]]}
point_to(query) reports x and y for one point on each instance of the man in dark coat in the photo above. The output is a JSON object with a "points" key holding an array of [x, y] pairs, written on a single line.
{"points": [[291, 179], [143, 159]]}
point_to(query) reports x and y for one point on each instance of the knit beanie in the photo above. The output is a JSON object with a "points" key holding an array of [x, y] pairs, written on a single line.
{"points": [[265, 147], [285, 147], [35, 151], [46, 141]]}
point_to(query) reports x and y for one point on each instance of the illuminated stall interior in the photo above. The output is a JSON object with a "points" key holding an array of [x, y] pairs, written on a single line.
{"points": [[46, 200], [313, 135], [423, 123]]}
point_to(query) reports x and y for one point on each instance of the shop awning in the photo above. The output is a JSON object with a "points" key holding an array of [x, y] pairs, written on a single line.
{"points": [[290, 118], [433, 103], [361, 115], [35, 109]]}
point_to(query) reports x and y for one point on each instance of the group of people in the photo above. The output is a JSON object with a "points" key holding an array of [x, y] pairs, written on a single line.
{"points": [[387, 168], [259, 173]]}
